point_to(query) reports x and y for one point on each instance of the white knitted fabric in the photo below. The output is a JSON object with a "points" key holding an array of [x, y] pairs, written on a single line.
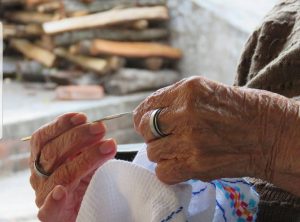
{"points": [[121, 191]]}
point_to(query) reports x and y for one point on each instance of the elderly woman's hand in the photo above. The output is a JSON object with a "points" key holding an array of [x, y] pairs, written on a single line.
{"points": [[71, 150], [216, 131]]}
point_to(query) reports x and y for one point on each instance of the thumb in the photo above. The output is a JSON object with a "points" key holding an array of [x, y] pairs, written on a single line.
{"points": [[53, 205]]}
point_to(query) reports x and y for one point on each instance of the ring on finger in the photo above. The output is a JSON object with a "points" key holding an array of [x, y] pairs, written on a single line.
{"points": [[154, 126], [39, 170]]}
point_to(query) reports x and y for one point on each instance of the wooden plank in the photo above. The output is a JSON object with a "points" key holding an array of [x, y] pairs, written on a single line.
{"points": [[103, 5], [107, 18], [122, 82], [126, 49], [101, 66], [34, 52], [20, 31], [69, 38], [26, 17]]}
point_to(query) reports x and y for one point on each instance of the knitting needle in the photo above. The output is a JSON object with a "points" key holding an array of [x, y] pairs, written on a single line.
{"points": [[115, 116]]}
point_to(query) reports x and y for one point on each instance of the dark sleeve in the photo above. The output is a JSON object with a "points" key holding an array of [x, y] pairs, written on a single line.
{"points": [[271, 59]]}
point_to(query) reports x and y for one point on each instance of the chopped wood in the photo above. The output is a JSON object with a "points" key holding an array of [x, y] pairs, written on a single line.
{"points": [[20, 31], [8, 3], [26, 17], [31, 3], [151, 63], [49, 6], [69, 38], [10, 64], [103, 5], [126, 49], [132, 80], [79, 92], [75, 77], [45, 42], [101, 66], [154, 63], [34, 52], [139, 25], [32, 71], [103, 19]]}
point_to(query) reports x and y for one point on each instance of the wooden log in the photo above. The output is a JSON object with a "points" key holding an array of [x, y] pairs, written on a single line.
{"points": [[103, 19], [10, 64], [126, 49], [69, 38], [75, 77], [21, 31], [32, 71], [133, 80], [151, 63], [103, 5], [100, 66], [45, 42], [32, 3], [11, 3], [34, 52], [27, 17], [139, 24], [50, 6]]}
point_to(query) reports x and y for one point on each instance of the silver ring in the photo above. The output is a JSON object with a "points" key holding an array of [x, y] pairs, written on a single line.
{"points": [[39, 170], [154, 127]]}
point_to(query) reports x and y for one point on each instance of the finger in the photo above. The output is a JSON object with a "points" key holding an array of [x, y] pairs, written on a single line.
{"points": [[70, 143], [54, 205], [158, 99], [215, 166], [163, 149], [172, 171], [70, 173], [53, 129], [166, 122]]}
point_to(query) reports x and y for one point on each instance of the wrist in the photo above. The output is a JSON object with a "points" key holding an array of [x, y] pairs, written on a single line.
{"points": [[280, 133]]}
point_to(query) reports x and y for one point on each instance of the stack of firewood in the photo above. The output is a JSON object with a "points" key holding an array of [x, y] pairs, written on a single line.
{"points": [[119, 44]]}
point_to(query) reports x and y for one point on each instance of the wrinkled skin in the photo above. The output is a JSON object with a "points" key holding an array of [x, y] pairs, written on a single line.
{"points": [[217, 131], [71, 150]]}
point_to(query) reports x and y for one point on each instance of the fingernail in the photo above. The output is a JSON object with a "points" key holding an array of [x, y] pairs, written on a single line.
{"points": [[97, 128], [78, 119], [58, 193], [108, 146]]}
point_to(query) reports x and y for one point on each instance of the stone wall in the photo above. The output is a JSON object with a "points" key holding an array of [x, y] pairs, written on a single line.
{"points": [[211, 45]]}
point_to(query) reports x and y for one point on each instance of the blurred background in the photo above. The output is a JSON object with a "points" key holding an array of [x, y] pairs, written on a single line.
{"points": [[103, 57]]}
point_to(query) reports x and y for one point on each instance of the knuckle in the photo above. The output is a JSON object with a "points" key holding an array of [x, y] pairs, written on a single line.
{"points": [[39, 201], [33, 181], [64, 175], [151, 155], [163, 176], [35, 141], [41, 215]]}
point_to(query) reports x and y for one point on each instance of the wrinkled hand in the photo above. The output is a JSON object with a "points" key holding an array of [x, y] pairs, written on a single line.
{"points": [[71, 150], [218, 131]]}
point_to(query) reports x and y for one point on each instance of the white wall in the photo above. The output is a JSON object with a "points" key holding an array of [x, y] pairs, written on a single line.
{"points": [[212, 34]]}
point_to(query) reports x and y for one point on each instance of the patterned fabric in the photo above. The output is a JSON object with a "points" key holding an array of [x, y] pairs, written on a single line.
{"points": [[228, 200]]}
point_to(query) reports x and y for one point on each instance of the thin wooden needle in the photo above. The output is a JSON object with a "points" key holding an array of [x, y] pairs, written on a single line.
{"points": [[115, 116]]}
